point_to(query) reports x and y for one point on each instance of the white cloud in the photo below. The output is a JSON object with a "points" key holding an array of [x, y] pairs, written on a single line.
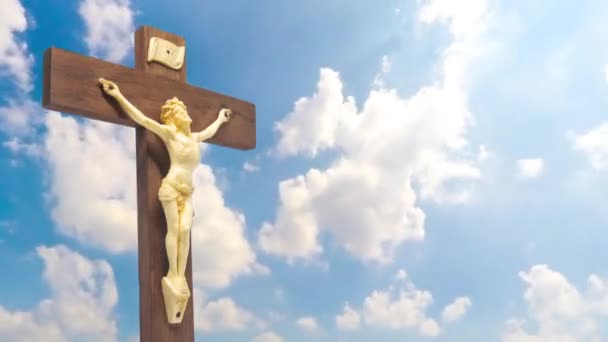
{"points": [[311, 126], [531, 167], [483, 154], [308, 324], [349, 319], [385, 68], [401, 275], [594, 145], [456, 309], [221, 250], [16, 146], [405, 309], [366, 199], [92, 183], [84, 294], [249, 167], [19, 117], [386, 64], [109, 27], [606, 73], [90, 156], [83, 297], [465, 18], [558, 309], [401, 306], [25, 327], [219, 315], [268, 336], [299, 237], [15, 60]]}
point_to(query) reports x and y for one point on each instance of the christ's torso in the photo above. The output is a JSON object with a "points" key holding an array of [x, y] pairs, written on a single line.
{"points": [[184, 153]]}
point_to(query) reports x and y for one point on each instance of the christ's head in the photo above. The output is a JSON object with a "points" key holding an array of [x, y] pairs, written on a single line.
{"points": [[174, 112]]}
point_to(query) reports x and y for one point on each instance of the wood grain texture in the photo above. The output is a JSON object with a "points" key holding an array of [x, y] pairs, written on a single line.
{"points": [[152, 164], [71, 85]]}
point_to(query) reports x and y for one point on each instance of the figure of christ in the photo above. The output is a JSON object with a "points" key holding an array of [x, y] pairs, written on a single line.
{"points": [[175, 193]]}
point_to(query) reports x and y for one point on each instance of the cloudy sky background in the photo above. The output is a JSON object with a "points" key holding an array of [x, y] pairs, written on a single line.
{"points": [[425, 170]]}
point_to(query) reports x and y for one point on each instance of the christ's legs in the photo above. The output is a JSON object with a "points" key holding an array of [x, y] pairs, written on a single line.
{"points": [[185, 223], [171, 240]]}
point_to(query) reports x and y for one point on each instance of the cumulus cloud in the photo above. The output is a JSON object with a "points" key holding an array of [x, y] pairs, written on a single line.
{"points": [[366, 198], [464, 21], [80, 308], [401, 306], [109, 27], [25, 327], [92, 183], [593, 145], [406, 309], [456, 309], [560, 311], [349, 319], [385, 68], [15, 59], [16, 146], [18, 117], [308, 324], [531, 167], [268, 336], [311, 126], [224, 252], [222, 314]]}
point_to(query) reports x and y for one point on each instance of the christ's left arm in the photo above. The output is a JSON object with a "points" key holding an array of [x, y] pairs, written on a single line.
{"points": [[223, 116]]}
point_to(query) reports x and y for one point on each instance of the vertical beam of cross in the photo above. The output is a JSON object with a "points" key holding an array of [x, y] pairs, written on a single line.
{"points": [[152, 163]]}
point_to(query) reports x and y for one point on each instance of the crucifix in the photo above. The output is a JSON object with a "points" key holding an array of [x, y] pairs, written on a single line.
{"points": [[171, 118]]}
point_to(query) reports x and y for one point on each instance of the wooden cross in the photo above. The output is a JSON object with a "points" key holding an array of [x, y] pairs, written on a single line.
{"points": [[71, 85]]}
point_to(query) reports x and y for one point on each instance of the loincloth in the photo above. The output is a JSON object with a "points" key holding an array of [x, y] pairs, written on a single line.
{"points": [[169, 191]]}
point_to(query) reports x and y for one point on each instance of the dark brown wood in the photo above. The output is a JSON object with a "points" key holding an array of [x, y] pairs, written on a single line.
{"points": [[152, 165], [71, 85]]}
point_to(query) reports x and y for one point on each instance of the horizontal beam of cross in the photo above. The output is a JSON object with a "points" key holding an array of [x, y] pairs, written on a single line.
{"points": [[71, 85]]}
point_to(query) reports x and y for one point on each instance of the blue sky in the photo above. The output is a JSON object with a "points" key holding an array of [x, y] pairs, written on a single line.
{"points": [[425, 170]]}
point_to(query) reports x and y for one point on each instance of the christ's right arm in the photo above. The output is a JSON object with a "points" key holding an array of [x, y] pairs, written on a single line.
{"points": [[112, 89]]}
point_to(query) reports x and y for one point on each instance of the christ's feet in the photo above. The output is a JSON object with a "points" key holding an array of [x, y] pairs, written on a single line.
{"points": [[182, 285]]}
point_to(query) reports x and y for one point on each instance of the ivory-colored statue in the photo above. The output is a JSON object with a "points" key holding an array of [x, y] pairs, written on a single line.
{"points": [[175, 193]]}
